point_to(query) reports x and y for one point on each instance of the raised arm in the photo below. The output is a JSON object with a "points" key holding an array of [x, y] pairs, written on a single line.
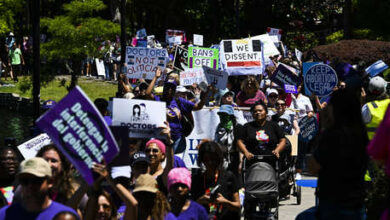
{"points": [[202, 102], [149, 90], [169, 153]]}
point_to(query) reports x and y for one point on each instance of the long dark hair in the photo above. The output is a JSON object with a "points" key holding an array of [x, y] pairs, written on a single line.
{"points": [[63, 185], [210, 147], [139, 110]]}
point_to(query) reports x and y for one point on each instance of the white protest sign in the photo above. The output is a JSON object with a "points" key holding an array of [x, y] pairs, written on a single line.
{"points": [[29, 149], [142, 62], [142, 117], [268, 47], [206, 122], [198, 39], [174, 37], [101, 71], [191, 76], [298, 54], [215, 77], [275, 32]]}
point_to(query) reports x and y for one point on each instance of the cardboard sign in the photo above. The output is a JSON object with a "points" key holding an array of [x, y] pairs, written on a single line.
{"points": [[199, 56], [198, 40], [215, 77], [308, 127], [294, 144], [175, 37], [143, 62], [142, 117], [283, 76], [290, 89], [305, 68], [298, 54], [275, 32], [268, 47], [30, 148], [320, 79], [376, 68], [101, 70], [191, 76], [241, 57], [181, 58], [77, 128]]}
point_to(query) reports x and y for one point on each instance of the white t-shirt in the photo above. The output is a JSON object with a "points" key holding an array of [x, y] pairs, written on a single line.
{"points": [[303, 104]]}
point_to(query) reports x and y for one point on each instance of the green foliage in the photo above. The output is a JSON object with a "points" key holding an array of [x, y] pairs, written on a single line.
{"points": [[356, 34], [386, 75], [302, 40], [377, 192], [73, 35], [335, 37], [8, 10]]}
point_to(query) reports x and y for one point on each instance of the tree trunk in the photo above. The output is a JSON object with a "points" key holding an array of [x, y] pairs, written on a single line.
{"points": [[347, 19], [36, 56]]}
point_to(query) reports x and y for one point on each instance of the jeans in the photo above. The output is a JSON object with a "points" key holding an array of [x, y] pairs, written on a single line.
{"points": [[108, 69]]}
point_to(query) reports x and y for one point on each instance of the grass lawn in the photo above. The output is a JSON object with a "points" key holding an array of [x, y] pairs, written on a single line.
{"points": [[56, 90]]}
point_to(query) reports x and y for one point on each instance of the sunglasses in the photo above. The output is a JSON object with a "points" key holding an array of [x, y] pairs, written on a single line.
{"points": [[280, 104], [154, 150], [32, 181]]}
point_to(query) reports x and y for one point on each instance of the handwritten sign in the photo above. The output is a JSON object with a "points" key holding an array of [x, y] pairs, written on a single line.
{"points": [[142, 117], [77, 128], [216, 77], [308, 127], [191, 76], [175, 37], [320, 79], [199, 56], [143, 62], [181, 58], [282, 76], [30, 148]]}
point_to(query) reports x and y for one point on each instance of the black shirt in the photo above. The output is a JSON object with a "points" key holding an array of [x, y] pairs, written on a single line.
{"points": [[261, 140], [343, 159], [228, 182]]}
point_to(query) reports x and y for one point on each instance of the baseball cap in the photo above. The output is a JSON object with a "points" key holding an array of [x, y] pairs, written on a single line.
{"points": [[170, 81], [377, 85], [181, 89], [228, 109], [139, 157], [49, 104], [270, 91], [145, 182], [36, 166], [228, 93], [179, 175]]}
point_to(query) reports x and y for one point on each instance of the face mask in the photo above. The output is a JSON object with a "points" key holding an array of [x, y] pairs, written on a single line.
{"points": [[225, 121]]}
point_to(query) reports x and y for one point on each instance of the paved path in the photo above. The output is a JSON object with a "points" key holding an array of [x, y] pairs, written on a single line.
{"points": [[289, 209]]}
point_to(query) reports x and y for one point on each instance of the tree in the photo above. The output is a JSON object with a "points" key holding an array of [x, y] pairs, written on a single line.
{"points": [[8, 10], [75, 35]]}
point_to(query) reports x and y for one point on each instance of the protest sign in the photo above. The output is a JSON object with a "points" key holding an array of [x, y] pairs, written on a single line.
{"points": [[141, 33], [308, 127], [142, 117], [180, 61], [290, 89], [175, 37], [320, 79], [216, 77], [101, 70], [77, 128], [268, 47], [191, 76], [241, 57], [142, 43], [199, 56], [198, 40], [305, 68], [376, 68], [275, 32], [206, 122], [143, 62], [298, 54], [282, 76], [30, 148]]}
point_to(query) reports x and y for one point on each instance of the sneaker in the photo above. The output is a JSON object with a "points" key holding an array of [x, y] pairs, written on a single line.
{"points": [[298, 176]]}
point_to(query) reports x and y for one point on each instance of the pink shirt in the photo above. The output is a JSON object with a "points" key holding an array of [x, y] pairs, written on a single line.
{"points": [[248, 102]]}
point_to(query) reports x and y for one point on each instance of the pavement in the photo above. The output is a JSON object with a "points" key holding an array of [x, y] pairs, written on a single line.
{"points": [[289, 209]]}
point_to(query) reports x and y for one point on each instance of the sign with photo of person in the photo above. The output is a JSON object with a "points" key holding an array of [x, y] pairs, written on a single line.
{"points": [[141, 116], [78, 129], [142, 62]]}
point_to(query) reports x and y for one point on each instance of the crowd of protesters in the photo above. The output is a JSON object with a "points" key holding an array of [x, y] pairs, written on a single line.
{"points": [[159, 186]]}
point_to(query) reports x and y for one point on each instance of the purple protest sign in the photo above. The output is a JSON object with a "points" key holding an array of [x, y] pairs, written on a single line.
{"points": [[290, 89], [80, 132], [283, 76]]}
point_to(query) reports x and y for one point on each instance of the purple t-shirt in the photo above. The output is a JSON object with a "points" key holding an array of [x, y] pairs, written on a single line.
{"points": [[194, 212], [16, 211], [174, 124]]}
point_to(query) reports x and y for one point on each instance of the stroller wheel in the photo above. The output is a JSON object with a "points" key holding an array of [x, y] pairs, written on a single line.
{"points": [[299, 195]]}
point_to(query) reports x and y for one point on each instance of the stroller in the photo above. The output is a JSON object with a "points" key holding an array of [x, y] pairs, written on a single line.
{"points": [[261, 188]]}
